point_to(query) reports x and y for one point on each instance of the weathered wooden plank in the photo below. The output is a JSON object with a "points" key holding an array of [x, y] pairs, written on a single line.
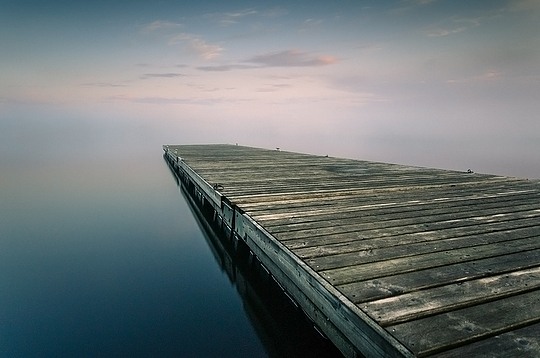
{"points": [[311, 174], [446, 260], [523, 343], [380, 206], [308, 201], [371, 270], [407, 226], [328, 166], [267, 197], [402, 218], [408, 244], [325, 260], [382, 287], [410, 237], [353, 322], [383, 207], [425, 336], [418, 304]]}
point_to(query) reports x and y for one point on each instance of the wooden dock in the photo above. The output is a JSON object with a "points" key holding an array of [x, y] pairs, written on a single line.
{"points": [[387, 260]]}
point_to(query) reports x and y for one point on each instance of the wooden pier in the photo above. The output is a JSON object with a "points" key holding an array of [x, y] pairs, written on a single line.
{"points": [[387, 260]]}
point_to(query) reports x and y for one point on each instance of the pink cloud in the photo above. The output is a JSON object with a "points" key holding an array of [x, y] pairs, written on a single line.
{"points": [[197, 45], [291, 58]]}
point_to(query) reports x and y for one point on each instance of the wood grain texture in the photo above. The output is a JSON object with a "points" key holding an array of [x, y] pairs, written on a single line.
{"points": [[447, 262]]}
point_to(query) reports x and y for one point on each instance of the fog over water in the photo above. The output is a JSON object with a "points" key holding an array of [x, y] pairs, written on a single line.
{"points": [[100, 253]]}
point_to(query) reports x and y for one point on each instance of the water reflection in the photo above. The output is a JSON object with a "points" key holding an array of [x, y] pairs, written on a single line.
{"points": [[283, 328], [99, 256]]}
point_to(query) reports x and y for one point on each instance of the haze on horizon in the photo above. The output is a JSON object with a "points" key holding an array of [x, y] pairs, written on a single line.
{"points": [[438, 83]]}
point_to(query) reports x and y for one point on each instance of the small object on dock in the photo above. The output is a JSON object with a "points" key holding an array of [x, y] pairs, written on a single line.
{"points": [[387, 260], [218, 186]]}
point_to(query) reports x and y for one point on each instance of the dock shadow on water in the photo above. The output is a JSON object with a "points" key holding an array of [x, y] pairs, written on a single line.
{"points": [[282, 327]]}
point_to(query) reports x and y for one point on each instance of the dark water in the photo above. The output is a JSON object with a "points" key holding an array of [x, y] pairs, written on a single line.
{"points": [[101, 255]]}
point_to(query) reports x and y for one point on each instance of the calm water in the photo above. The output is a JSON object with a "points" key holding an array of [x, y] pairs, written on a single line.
{"points": [[100, 255]]}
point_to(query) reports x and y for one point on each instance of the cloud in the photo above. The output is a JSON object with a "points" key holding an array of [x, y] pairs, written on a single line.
{"points": [[411, 5], [310, 24], [273, 87], [235, 17], [168, 100], [231, 18], [423, 2], [287, 58], [223, 68], [487, 76], [163, 100], [453, 26], [161, 75], [291, 58], [160, 25], [103, 84], [444, 32], [524, 5], [197, 45]]}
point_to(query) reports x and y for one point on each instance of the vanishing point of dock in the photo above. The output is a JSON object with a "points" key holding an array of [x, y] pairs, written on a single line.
{"points": [[386, 260]]}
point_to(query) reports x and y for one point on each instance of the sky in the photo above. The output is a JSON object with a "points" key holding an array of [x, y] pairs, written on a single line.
{"points": [[438, 83]]}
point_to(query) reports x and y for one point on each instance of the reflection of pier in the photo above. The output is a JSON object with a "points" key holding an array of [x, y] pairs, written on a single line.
{"points": [[386, 260], [282, 327]]}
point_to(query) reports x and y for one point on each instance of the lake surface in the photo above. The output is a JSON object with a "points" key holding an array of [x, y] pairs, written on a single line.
{"points": [[101, 255]]}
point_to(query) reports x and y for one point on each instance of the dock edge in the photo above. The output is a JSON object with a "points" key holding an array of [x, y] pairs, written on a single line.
{"points": [[352, 331]]}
